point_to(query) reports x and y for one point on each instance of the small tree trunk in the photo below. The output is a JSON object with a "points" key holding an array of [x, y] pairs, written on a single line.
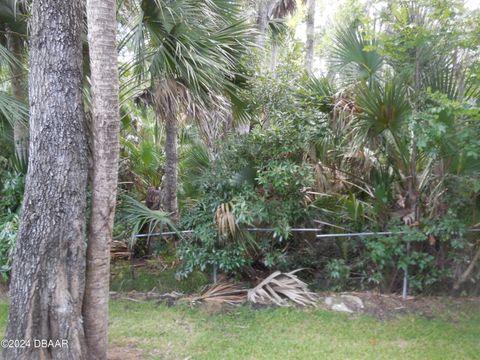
{"points": [[101, 18], [20, 130], [166, 94], [171, 165], [274, 56], [310, 35], [46, 288], [262, 21]]}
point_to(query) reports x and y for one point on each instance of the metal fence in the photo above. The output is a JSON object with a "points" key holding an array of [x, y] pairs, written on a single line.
{"points": [[318, 236]]}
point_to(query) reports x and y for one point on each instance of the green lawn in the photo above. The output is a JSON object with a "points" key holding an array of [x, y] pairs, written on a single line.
{"points": [[180, 332]]}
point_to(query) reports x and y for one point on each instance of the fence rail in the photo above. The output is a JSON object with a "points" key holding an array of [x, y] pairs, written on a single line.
{"points": [[318, 236]]}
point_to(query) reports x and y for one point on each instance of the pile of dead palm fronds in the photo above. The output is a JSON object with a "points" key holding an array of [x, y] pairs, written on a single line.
{"points": [[224, 292], [277, 289], [280, 288]]}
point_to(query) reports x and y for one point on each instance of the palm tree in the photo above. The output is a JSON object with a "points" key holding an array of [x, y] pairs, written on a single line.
{"points": [[270, 13], [382, 97], [189, 50], [102, 28], [13, 25]]}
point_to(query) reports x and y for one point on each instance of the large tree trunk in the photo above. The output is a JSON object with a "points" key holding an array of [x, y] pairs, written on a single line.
{"points": [[46, 288], [20, 130], [310, 35], [106, 126]]}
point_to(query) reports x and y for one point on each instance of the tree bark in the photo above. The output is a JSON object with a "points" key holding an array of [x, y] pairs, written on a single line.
{"points": [[274, 56], [262, 22], [20, 130], [167, 94], [46, 288], [310, 36], [171, 166], [101, 18]]}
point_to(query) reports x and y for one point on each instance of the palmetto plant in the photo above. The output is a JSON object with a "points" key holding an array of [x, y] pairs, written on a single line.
{"points": [[189, 50], [136, 215], [382, 107], [13, 110], [355, 55], [379, 107]]}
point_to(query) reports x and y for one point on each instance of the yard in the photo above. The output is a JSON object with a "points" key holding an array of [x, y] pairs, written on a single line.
{"points": [[146, 330], [180, 332]]}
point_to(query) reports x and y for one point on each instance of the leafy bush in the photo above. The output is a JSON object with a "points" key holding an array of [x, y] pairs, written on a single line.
{"points": [[263, 177], [8, 234], [11, 192], [339, 273]]}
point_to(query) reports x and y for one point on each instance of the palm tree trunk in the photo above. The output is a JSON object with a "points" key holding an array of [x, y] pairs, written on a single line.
{"points": [[262, 21], [274, 56], [101, 18], [47, 283], [171, 165], [166, 100], [20, 131], [310, 35]]}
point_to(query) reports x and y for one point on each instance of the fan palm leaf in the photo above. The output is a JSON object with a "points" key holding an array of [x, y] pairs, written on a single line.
{"points": [[382, 107], [136, 215], [352, 51]]}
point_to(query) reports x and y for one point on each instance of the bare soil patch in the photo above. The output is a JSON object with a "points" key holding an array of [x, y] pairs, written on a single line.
{"points": [[382, 306], [129, 352], [385, 306]]}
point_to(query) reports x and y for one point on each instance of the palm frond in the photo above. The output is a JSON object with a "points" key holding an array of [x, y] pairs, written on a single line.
{"points": [[225, 220], [450, 79], [12, 110], [352, 51], [280, 287], [281, 8], [228, 293], [136, 215], [382, 107]]}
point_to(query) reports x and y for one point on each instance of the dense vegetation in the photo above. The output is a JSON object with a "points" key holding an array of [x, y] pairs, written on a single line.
{"points": [[223, 132]]}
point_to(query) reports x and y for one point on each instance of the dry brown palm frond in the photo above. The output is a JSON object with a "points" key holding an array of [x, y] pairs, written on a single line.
{"points": [[344, 108], [225, 219], [308, 195], [214, 119], [360, 160], [322, 183], [169, 96], [281, 8], [222, 293], [279, 288]]}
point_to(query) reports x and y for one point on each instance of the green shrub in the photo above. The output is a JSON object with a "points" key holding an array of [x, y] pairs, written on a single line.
{"points": [[8, 234]]}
